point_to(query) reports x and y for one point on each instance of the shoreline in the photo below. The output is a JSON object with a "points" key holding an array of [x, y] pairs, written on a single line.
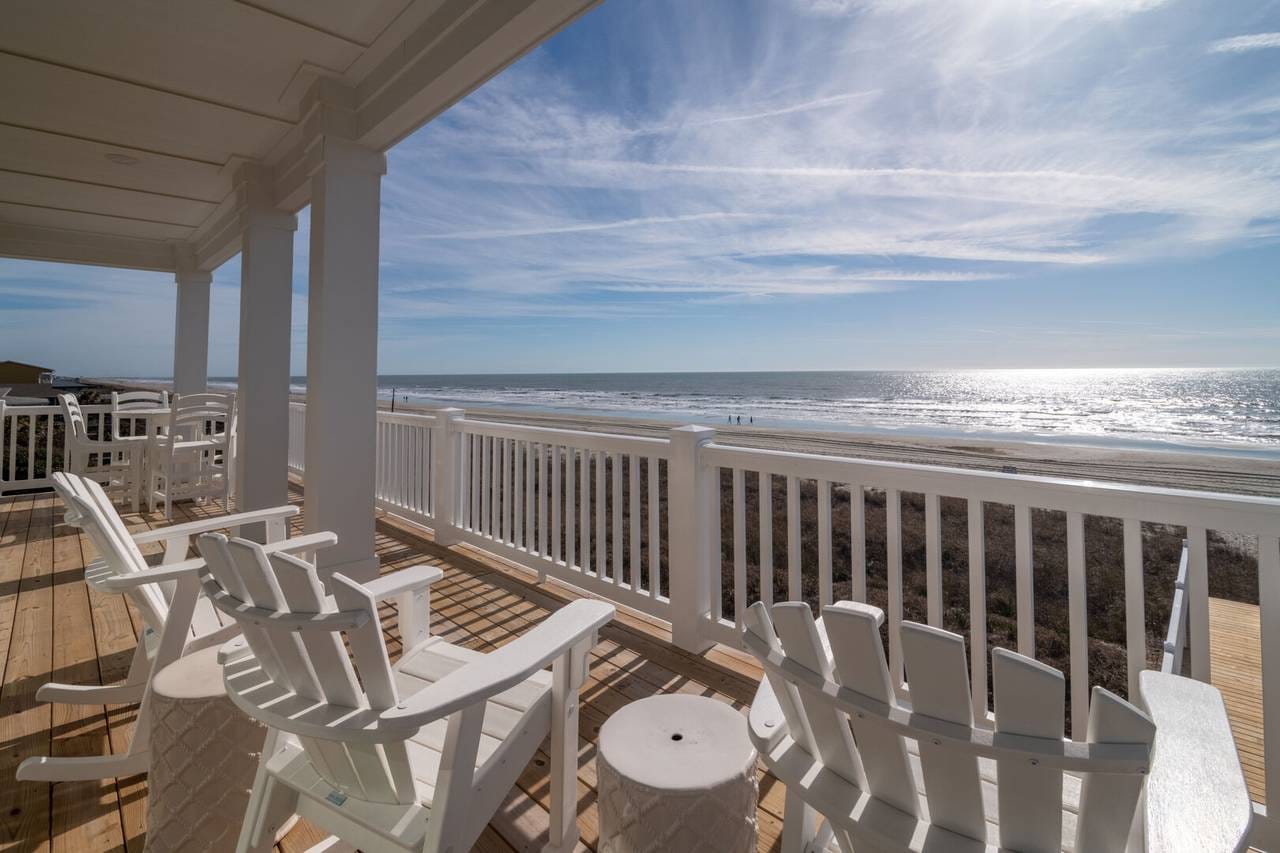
{"points": [[1204, 471], [1161, 468]]}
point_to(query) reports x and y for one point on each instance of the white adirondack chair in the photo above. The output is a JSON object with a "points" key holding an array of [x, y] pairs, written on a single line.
{"points": [[416, 756], [889, 777], [194, 458], [177, 618], [119, 463]]}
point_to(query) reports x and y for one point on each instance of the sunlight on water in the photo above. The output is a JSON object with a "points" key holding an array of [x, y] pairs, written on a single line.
{"points": [[1211, 407]]}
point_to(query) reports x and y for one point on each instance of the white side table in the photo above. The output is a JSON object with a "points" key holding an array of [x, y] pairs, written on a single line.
{"points": [[204, 754], [677, 772]]}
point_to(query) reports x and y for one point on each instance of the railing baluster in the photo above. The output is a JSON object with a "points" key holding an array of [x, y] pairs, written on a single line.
{"points": [[557, 537], [486, 485], [1077, 605], [739, 547], [48, 445], [602, 521], [893, 540], [978, 609], [570, 504], [1134, 603], [531, 540], [824, 542], [1025, 582], [1198, 591], [517, 494], [543, 497], [633, 510], [766, 537], [615, 470], [477, 484], [795, 587], [933, 558], [655, 521], [858, 541], [584, 501]]}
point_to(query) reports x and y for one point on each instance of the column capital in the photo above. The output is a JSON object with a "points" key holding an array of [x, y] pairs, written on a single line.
{"points": [[329, 151], [186, 271], [254, 188]]}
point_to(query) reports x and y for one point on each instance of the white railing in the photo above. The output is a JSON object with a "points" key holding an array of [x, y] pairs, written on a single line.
{"points": [[31, 442], [567, 504], [297, 438], [403, 462]]}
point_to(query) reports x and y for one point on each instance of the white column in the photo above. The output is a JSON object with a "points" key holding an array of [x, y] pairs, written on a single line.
{"points": [[191, 332], [342, 354], [266, 303]]}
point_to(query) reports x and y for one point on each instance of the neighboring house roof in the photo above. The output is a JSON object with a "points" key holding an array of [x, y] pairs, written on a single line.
{"points": [[25, 364]]}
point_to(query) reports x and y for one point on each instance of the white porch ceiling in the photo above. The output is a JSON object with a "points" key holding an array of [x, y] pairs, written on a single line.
{"points": [[122, 123]]}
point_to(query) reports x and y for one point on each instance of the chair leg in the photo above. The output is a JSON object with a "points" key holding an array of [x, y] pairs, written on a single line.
{"points": [[268, 800], [799, 826]]}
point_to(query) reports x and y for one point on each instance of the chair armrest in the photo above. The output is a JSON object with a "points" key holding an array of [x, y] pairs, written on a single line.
{"points": [[765, 720], [1196, 798], [173, 571], [405, 580], [205, 525], [504, 668]]}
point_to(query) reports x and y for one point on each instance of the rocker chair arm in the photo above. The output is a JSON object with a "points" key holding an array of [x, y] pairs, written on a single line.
{"points": [[558, 634], [174, 571], [192, 528], [405, 580], [1196, 798]]}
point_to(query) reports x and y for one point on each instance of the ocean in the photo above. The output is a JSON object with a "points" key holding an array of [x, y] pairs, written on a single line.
{"points": [[1213, 410]]}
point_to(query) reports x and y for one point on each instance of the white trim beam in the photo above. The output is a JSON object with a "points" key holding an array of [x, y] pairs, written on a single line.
{"points": [[60, 245]]}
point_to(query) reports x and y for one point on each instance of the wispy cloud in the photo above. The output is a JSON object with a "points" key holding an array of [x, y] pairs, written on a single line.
{"points": [[1243, 44]]}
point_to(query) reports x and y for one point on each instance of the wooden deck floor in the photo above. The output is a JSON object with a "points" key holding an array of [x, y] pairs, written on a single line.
{"points": [[1235, 666], [52, 627]]}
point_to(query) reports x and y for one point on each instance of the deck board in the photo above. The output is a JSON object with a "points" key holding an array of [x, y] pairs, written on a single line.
{"points": [[1235, 667], [52, 627]]}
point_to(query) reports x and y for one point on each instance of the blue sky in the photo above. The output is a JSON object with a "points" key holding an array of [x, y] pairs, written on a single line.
{"points": [[803, 184]]}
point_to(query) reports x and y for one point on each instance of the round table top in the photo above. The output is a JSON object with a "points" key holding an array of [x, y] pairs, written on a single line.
{"points": [[677, 743], [195, 676]]}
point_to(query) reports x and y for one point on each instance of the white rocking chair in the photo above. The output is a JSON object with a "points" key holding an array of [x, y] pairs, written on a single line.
{"points": [[417, 756], [178, 619], [887, 777]]}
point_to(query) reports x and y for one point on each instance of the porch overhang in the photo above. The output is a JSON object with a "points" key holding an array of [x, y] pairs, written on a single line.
{"points": [[123, 126]]}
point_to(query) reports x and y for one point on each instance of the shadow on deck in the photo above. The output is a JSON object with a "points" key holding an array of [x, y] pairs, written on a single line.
{"points": [[52, 627]]}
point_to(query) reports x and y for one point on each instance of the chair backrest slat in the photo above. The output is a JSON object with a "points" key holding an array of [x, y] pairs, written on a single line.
{"points": [[132, 401], [76, 430], [102, 524], [314, 663], [760, 623], [1029, 697], [1108, 800], [853, 630], [938, 673], [832, 737]]}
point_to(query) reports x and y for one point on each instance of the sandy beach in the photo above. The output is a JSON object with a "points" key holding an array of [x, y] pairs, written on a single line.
{"points": [[1172, 469]]}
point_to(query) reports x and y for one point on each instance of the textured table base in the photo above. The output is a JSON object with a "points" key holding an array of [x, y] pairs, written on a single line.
{"points": [[634, 819], [676, 774], [204, 754]]}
